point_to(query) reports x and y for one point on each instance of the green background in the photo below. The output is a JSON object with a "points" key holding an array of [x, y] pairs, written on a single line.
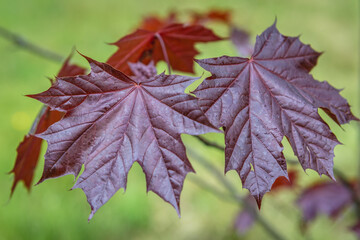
{"points": [[51, 211]]}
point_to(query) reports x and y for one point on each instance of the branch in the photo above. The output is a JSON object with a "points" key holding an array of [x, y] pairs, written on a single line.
{"points": [[23, 43], [209, 143], [233, 192], [224, 196]]}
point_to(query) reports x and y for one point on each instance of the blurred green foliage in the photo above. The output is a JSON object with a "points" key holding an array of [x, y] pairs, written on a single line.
{"points": [[53, 212]]}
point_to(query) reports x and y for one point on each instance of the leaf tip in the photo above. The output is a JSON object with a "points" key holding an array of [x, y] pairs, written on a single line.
{"points": [[258, 199], [91, 215], [177, 208], [43, 178], [275, 21], [90, 60], [34, 96]]}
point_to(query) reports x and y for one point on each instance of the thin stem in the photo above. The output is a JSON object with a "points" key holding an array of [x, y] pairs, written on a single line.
{"points": [[209, 143], [224, 196], [163, 48], [23, 43], [233, 192]]}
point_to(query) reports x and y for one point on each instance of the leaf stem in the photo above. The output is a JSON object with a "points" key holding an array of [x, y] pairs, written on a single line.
{"points": [[163, 48]]}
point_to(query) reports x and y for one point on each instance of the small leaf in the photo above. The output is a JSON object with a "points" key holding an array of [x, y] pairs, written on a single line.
{"points": [[325, 198], [223, 16], [145, 46], [154, 23], [283, 182], [28, 150]]}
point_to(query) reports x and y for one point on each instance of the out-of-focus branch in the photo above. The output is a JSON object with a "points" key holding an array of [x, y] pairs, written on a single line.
{"points": [[341, 177], [225, 196], [33, 48], [338, 174], [233, 192], [209, 143]]}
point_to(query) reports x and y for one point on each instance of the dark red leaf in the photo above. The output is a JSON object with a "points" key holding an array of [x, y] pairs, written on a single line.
{"points": [[328, 198], [283, 182], [356, 229], [154, 23], [223, 16], [28, 150], [260, 100], [68, 70], [142, 72], [112, 121], [145, 46]]}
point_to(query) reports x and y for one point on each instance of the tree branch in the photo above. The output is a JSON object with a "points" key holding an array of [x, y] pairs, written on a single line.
{"points": [[35, 49], [209, 143], [233, 192]]}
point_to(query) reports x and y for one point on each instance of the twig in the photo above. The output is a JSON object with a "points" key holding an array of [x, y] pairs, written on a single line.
{"points": [[209, 143], [208, 187], [23, 43], [233, 192]]}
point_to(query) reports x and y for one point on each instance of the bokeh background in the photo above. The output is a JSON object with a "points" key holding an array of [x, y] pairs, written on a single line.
{"points": [[51, 211]]}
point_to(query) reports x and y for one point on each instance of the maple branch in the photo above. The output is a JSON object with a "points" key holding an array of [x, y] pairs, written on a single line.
{"points": [[23, 43], [209, 143], [163, 48], [233, 192], [210, 188]]}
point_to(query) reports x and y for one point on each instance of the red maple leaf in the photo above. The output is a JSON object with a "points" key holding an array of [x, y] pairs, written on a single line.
{"points": [[155, 23], [173, 43], [112, 121], [28, 150], [261, 99], [223, 16], [283, 182]]}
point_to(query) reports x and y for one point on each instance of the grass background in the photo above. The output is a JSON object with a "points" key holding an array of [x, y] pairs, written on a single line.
{"points": [[51, 211]]}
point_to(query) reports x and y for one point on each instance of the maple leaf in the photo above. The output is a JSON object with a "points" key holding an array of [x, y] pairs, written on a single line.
{"points": [[112, 121], [142, 72], [283, 182], [261, 99], [223, 16], [28, 150], [328, 198], [154, 23], [173, 43]]}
